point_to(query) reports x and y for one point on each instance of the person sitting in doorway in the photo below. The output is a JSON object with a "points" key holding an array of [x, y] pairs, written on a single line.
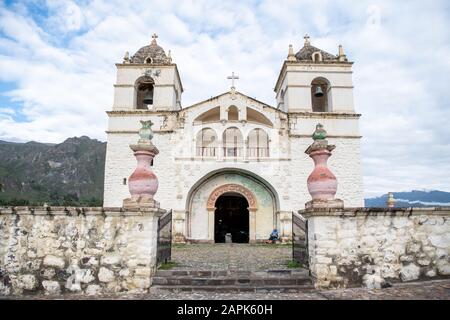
{"points": [[274, 236]]}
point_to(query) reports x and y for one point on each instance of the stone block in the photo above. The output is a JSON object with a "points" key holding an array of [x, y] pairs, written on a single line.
{"points": [[410, 272], [28, 282], [105, 275], [48, 273], [53, 261], [111, 259], [51, 287], [373, 281], [93, 289]]}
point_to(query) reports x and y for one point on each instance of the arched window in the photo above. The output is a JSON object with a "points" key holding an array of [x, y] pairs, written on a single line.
{"points": [[233, 113], [258, 144], [320, 91], [206, 143], [144, 88], [317, 56], [232, 142]]}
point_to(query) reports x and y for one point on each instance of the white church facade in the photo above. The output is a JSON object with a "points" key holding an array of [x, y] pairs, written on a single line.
{"points": [[232, 164]]}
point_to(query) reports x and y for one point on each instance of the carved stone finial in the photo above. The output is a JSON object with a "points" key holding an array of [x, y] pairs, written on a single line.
{"points": [[143, 183], [341, 55], [322, 184], [169, 57], [291, 55], [390, 201], [146, 132], [320, 133], [126, 58]]}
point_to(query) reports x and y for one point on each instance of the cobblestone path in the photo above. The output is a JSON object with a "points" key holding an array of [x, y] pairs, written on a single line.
{"points": [[231, 256], [430, 290]]}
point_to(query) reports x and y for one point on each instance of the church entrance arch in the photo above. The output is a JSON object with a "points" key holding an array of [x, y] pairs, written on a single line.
{"points": [[234, 209], [231, 219], [230, 196]]}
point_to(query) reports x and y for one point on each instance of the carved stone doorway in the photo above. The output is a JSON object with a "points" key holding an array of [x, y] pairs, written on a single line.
{"points": [[231, 219]]}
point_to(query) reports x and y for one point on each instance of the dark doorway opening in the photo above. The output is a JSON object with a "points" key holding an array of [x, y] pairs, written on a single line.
{"points": [[231, 217]]}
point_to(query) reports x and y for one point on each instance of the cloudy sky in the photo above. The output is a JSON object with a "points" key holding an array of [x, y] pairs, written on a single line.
{"points": [[57, 67]]}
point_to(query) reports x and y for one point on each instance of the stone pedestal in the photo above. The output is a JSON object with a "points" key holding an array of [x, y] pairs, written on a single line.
{"points": [[143, 183], [285, 229], [322, 183]]}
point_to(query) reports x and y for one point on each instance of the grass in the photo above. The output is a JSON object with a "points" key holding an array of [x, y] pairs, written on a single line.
{"points": [[294, 264], [167, 266]]}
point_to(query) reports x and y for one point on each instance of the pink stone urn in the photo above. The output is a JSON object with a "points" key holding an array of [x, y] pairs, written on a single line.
{"points": [[143, 183], [322, 184]]}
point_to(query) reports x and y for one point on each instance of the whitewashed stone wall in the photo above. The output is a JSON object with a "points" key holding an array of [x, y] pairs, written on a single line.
{"points": [[76, 250], [375, 247]]}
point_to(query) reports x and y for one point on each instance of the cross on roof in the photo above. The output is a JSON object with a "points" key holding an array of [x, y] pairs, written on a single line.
{"points": [[154, 36], [306, 37], [232, 78]]}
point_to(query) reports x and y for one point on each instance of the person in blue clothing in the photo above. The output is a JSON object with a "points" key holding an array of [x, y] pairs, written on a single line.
{"points": [[274, 236]]}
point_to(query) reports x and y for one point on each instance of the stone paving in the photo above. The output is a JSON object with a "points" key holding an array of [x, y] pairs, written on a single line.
{"points": [[232, 256], [430, 290], [263, 257]]}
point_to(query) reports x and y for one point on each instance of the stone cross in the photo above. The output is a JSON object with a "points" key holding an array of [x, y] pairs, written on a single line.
{"points": [[232, 78], [154, 36], [306, 37]]}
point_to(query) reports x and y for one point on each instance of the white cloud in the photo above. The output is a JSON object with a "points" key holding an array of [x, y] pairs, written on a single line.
{"points": [[63, 69]]}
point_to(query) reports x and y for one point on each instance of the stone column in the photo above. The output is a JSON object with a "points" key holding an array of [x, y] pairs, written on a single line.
{"points": [[252, 225], [179, 226], [211, 221], [143, 185], [285, 218], [322, 184]]}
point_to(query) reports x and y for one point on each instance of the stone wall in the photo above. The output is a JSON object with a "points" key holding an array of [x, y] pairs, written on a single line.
{"points": [[78, 250], [375, 247]]}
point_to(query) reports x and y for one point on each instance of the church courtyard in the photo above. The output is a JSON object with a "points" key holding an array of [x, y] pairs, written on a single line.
{"points": [[232, 256]]}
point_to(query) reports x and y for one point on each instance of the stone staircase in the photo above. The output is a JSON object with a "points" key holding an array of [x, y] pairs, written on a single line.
{"points": [[232, 281]]}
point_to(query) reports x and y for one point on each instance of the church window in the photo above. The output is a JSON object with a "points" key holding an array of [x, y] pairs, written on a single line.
{"points": [[148, 60], [258, 144], [317, 56], [144, 93], [233, 113], [257, 117], [206, 143], [124, 181], [232, 142], [320, 92]]}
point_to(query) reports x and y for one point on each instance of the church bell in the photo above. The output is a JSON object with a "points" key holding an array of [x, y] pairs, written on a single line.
{"points": [[148, 99], [319, 92]]}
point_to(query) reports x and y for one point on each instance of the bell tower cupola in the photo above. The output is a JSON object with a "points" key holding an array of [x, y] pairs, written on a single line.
{"points": [[313, 80], [148, 80]]}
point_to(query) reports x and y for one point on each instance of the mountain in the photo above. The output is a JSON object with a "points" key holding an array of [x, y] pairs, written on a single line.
{"points": [[413, 198], [69, 173]]}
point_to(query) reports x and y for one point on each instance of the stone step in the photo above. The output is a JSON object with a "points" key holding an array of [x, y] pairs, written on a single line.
{"points": [[237, 273], [231, 280], [232, 288]]}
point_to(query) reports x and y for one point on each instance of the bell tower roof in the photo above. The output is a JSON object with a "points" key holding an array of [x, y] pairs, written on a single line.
{"points": [[308, 54], [152, 54]]}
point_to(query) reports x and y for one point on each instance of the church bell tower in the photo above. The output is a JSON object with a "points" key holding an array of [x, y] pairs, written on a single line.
{"points": [[148, 81], [313, 80]]}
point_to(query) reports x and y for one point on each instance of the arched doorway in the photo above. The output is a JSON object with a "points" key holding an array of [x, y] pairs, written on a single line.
{"points": [[231, 219], [261, 197]]}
